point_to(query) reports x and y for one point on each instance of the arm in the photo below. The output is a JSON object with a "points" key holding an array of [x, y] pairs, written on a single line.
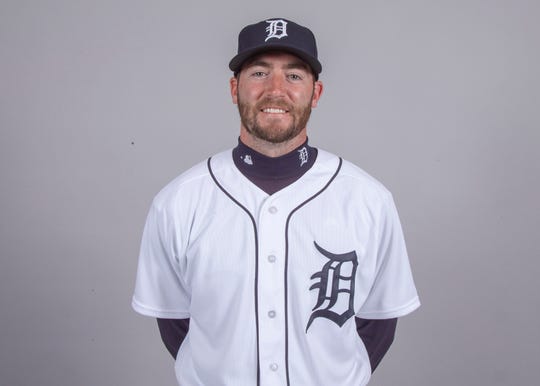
{"points": [[377, 336], [173, 332]]}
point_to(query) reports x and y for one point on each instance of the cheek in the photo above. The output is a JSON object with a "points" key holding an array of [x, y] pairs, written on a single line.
{"points": [[248, 98], [305, 97]]}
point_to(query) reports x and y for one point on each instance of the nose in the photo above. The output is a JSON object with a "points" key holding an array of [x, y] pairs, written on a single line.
{"points": [[276, 85]]}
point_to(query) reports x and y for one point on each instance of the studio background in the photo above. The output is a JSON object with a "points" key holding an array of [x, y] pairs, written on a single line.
{"points": [[103, 102]]}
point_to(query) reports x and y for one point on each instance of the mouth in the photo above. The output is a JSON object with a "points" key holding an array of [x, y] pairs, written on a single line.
{"points": [[274, 110]]}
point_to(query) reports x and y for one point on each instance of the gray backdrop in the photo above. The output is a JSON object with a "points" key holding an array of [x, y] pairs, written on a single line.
{"points": [[103, 102]]}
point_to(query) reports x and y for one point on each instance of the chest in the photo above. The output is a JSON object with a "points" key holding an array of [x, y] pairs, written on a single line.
{"points": [[308, 252]]}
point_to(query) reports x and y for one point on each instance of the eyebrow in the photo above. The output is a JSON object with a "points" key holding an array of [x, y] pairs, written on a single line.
{"points": [[296, 65]]}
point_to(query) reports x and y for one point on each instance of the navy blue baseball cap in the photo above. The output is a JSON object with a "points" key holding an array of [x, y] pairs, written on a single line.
{"points": [[280, 35]]}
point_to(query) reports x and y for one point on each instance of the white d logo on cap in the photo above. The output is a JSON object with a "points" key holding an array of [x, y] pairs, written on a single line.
{"points": [[276, 29]]}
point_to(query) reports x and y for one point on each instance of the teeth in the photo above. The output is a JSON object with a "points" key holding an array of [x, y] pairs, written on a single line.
{"points": [[274, 111]]}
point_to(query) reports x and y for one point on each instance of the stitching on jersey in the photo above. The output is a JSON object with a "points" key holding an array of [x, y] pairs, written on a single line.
{"points": [[287, 263], [256, 263]]}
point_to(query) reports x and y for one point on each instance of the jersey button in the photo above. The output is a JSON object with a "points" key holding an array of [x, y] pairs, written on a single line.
{"points": [[271, 258], [272, 209], [274, 367], [272, 314]]}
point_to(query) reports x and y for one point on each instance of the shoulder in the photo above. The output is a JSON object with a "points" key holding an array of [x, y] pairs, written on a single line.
{"points": [[190, 183], [354, 179]]}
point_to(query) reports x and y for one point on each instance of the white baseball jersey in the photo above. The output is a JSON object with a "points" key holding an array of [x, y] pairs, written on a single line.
{"points": [[271, 284]]}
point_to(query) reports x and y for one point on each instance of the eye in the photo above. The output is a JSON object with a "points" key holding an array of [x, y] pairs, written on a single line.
{"points": [[295, 77], [258, 74]]}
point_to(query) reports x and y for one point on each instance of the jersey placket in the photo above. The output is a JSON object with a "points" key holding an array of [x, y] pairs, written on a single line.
{"points": [[271, 292]]}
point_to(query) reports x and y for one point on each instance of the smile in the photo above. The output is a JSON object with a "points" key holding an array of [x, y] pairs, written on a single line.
{"points": [[272, 110]]}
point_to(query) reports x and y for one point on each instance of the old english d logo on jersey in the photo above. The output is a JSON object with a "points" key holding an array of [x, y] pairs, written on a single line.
{"points": [[335, 281], [276, 29]]}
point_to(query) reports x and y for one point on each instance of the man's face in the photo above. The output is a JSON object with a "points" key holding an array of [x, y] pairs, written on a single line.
{"points": [[275, 93]]}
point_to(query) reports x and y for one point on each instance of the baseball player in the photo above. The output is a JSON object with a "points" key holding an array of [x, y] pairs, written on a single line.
{"points": [[274, 263]]}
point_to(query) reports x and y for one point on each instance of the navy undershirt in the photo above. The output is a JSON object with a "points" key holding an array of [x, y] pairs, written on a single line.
{"points": [[271, 175]]}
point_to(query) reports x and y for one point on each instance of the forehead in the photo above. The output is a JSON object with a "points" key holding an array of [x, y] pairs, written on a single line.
{"points": [[276, 59]]}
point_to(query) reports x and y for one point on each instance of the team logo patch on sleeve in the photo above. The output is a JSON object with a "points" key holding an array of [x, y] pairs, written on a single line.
{"points": [[335, 284]]}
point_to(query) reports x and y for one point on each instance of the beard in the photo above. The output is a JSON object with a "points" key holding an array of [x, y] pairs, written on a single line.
{"points": [[271, 132]]}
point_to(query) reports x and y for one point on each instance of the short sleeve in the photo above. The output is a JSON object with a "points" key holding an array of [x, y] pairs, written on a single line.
{"points": [[160, 290], [393, 293]]}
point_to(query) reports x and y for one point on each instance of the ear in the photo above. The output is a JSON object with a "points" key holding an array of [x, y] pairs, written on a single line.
{"points": [[317, 92], [234, 89]]}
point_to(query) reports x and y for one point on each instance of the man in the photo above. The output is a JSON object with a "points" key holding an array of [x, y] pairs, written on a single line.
{"points": [[274, 263]]}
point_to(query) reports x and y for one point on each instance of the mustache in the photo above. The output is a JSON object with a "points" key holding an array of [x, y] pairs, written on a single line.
{"points": [[272, 102]]}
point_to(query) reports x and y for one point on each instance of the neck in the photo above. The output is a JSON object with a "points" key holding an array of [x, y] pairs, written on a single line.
{"points": [[270, 149], [272, 174]]}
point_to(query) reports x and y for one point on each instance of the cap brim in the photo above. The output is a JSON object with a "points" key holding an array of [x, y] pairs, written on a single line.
{"points": [[236, 63]]}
